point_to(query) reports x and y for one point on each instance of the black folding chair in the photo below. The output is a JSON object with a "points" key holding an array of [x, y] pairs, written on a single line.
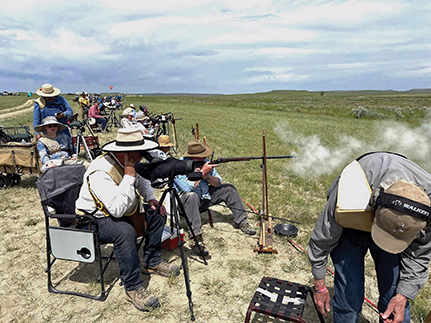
{"points": [[73, 237]]}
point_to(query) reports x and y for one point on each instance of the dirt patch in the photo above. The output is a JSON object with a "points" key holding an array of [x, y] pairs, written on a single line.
{"points": [[17, 111]]}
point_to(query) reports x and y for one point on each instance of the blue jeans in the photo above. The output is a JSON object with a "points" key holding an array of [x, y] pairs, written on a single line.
{"points": [[348, 258], [122, 235], [102, 121]]}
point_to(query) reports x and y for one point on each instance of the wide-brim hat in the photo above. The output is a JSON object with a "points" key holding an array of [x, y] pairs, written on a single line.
{"points": [[197, 149], [47, 90], [129, 140], [49, 120], [128, 112], [392, 230], [165, 141], [141, 117], [131, 105]]}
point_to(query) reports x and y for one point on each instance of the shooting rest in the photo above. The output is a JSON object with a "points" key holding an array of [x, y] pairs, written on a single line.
{"points": [[281, 299], [265, 244]]}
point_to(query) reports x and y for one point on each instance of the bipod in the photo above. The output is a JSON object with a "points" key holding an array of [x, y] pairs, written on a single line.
{"points": [[174, 199]]}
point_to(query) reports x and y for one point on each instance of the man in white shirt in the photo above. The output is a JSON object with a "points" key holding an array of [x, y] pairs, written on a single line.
{"points": [[112, 191]]}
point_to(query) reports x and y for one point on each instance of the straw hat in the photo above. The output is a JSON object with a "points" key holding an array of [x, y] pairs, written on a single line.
{"points": [[165, 141], [392, 230], [47, 90], [197, 149], [49, 120], [128, 140], [141, 117], [128, 112]]}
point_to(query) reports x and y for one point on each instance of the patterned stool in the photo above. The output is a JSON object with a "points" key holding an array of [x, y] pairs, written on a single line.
{"points": [[281, 299]]}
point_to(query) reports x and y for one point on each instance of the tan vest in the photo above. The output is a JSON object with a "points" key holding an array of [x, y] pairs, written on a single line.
{"points": [[116, 172], [51, 144], [354, 192]]}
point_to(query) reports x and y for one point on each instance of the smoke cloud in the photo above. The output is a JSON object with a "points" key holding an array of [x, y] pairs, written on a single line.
{"points": [[314, 159]]}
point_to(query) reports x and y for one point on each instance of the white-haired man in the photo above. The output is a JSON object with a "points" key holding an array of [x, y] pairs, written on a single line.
{"points": [[112, 190]]}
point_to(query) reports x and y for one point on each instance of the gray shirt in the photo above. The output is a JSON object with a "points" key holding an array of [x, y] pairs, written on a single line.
{"points": [[378, 168]]}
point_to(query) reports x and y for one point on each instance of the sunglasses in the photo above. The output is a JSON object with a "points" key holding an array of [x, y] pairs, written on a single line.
{"points": [[52, 126]]}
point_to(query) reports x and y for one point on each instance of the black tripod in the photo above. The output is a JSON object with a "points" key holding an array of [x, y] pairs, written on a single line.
{"points": [[174, 199], [112, 118]]}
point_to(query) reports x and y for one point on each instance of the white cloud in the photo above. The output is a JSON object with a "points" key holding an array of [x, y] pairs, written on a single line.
{"points": [[247, 42]]}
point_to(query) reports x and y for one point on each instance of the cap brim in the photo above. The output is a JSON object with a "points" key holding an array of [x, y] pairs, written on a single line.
{"points": [[112, 147], [388, 242]]}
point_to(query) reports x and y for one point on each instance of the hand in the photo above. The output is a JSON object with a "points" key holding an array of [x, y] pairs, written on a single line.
{"points": [[207, 168], [322, 300], [397, 307], [59, 115], [153, 204], [50, 164], [38, 137], [129, 165]]}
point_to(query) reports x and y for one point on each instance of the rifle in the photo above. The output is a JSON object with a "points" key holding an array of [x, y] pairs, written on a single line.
{"points": [[222, 160]]}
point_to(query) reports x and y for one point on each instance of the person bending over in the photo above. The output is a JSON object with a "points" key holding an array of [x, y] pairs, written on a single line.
{"points": [[393, 225]]}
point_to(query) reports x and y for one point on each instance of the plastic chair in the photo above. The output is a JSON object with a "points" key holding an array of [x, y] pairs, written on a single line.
{"points": [[73, 237], [281, 299]]}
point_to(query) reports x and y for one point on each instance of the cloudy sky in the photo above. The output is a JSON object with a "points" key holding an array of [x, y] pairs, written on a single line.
{"points": [[206, 46]]}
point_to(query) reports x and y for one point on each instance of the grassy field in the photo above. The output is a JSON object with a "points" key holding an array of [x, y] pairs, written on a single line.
{"points": [[325, 132]]}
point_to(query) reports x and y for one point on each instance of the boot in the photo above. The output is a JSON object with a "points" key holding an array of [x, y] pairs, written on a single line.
{"points": [[195, 248]]}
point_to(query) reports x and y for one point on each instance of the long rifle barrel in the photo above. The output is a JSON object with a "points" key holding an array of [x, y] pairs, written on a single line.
{"points": [[234, 159]]}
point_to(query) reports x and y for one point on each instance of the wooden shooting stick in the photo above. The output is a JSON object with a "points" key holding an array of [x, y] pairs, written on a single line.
{"points": [[265, 233]]}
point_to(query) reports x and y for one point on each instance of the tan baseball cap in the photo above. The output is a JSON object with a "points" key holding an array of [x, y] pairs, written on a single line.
{"points": [[392, 230]]}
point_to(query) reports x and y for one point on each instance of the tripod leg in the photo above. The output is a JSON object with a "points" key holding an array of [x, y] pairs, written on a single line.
{"points": [[174, 213], [87, 151], [189, 224]]}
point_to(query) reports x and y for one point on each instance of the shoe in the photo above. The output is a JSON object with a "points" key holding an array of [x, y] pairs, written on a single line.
{"points": [[194, 245], [163, 269], [142, 299], [247, 229]]}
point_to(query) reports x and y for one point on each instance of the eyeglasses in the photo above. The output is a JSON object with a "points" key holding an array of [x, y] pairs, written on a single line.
{"points": [[51, 126]]}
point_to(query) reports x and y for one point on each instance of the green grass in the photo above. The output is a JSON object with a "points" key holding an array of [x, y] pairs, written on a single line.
{"points": [[233, 126]]}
